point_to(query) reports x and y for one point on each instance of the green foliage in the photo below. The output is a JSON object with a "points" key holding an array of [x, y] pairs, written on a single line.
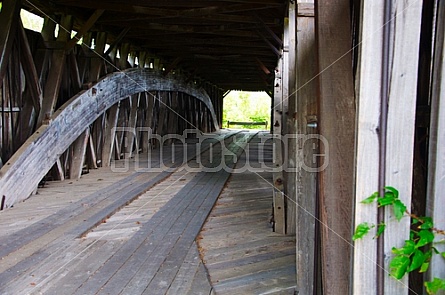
{"points": [[242, 106], [361, 230], [417, 252], [435, 285]]}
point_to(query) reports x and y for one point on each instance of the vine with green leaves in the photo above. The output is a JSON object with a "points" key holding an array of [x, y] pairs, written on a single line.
{"points": [[417, 252]]}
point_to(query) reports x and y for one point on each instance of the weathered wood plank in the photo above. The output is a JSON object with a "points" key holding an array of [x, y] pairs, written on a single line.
{"points": [[436, 173], [367, 151], [291, 123], [401, 122], [336, 117], [277, 123], [110, 134], [131, 138], [306, 168], [78, 156]]}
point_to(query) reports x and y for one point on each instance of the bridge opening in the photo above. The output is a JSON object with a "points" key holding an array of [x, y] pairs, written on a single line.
{"points": [[246, 110]]}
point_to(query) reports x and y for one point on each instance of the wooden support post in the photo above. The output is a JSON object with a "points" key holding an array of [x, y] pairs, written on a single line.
{"points": [[278, 194], [9, 21], [401, 122], [85, 28], [91, 152], [336, 118], [122, 122], [148, 123], [52, 85], [291, 123], [78, 157], [172, 127], [130, 136], [123, 56], [307, 151], [109, 134], [436, 159], [163, 100], [97, 63]]}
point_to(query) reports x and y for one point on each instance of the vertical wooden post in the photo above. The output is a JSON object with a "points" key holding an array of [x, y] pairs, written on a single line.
{"points": [[436, 173], [52, 85], [278, 194], [401, 122], [336, 119], [150, 97], [306, 185], [9, 20], [78, 157], [291, 123], [163, 101], [368, 85], [109, 134], [130, 136]]}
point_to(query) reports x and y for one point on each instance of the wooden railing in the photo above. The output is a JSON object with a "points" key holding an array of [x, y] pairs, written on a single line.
{"points": [[265, 123]]}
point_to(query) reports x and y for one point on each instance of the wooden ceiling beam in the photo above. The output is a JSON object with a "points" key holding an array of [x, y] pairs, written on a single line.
{"points": [[85, 28]]}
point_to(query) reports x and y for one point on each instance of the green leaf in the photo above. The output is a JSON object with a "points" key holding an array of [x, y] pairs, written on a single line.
{"points": [[427, 223], [435, 285], [361, 230], [416, 260], [370, 199], [407, 249], [424, 267], [390, 189], [426, 237], [398, 266], [415, 221], [443, 254], [386, 200], [399, 209], [380, 229]]}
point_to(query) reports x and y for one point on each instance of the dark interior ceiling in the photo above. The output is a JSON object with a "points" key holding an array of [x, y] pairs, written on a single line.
{"points": [[233, 44]]}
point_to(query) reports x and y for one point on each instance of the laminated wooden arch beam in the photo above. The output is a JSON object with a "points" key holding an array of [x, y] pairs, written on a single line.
{"points": [[22, 173]]}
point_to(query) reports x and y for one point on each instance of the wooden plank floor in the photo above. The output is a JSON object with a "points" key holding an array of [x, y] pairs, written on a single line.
{"points": [[239, 249], [134, 233]]}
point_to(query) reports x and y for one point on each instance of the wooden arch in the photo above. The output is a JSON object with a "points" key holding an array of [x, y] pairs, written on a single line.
{"points": [[22, 173]]}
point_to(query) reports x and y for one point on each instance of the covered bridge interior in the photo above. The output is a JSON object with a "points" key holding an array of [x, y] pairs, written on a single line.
{"points": [[117, 176]]}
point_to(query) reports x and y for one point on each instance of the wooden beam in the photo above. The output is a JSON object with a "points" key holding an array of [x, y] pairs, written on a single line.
{"points": [[109, 135], [336, 117], [85, 28], [117, 41], [278, 193], [97, 62], [262, 66], [32, 78], [436, 173], [52, 85], [291, 123], [369, 85], [148, 123], [131, 138], [401, 121], [172, 65], [78, 157], [307, 151], [9, 21], [73, 118]]}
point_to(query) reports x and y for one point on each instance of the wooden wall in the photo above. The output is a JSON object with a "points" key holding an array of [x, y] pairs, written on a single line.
{"points": [[39, 73]]}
